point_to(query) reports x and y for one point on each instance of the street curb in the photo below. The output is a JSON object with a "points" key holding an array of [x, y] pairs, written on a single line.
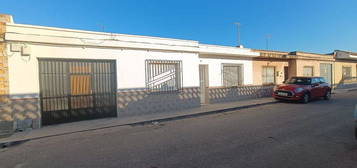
{"points": [[179, 117], [201, 114], [339, 91]]}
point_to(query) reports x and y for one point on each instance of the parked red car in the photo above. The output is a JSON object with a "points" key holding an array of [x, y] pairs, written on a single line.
{"points": [[303, 89]]}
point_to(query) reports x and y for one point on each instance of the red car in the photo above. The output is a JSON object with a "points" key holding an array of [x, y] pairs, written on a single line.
{"points": [[303, 89]]}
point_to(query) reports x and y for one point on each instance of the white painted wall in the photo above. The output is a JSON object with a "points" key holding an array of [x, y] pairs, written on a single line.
{"points": [[24, 75], [215, 70], [226, 51], [129, 51], [49, 35]]}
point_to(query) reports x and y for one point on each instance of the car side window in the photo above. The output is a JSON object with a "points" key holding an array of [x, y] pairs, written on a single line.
{"points": [[315, 80], [322, 80]]}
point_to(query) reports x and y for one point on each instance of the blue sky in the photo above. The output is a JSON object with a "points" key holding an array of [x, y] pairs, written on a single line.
{"points": [[305, 25]]}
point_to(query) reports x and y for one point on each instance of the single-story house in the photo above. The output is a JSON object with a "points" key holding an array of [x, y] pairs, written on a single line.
{"points": [[276, 66], [345, 65], [53, 75]]}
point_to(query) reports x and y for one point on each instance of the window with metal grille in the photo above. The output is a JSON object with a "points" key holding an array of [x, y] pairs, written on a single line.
{"points": [[268, 75], [346, 72], [232, 75], [163, 75], [308, 71]]}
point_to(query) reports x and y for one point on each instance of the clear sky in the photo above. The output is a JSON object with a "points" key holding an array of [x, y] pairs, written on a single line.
{"points": [[305, 25]]}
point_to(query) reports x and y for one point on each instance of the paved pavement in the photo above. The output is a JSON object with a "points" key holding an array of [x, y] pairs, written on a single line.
{"points": [[69, 128], [318, 134]]}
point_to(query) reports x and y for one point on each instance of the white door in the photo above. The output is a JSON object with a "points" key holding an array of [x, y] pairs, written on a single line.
{"points": [[204, 90]]}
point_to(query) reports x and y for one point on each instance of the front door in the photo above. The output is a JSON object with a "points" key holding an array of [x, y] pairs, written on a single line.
{"points": [[286, 73], [326, 72], [74, 90], [204, 84]]}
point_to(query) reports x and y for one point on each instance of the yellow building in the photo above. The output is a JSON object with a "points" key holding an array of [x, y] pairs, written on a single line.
{"points": [[273, 67], [345, 65]]}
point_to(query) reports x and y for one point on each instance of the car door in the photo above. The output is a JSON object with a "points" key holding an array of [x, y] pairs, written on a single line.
{"points": [[324, 86], [315, 87]]}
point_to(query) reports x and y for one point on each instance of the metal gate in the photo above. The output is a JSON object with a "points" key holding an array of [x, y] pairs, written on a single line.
{"points": [[74, 90]]}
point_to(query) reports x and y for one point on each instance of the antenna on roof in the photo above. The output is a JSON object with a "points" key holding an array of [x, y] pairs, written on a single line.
{"points": [[238, 35]]}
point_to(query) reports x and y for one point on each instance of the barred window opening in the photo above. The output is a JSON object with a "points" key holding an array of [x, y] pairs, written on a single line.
{"points": [[268, 75], [346, 72], [232, 75], [163, 75], [308, 71]]}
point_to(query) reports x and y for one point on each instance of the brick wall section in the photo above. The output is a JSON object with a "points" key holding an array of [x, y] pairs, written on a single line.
{"points": [[141, 102], [6, 118], [4, 83]]}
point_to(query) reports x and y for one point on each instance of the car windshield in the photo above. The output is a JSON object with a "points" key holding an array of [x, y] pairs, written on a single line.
{"points": [[299, 81]]}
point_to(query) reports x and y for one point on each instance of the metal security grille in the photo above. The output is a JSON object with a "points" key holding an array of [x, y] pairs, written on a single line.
{"points": [[308, 71], [326, 72], [74, 90], [232, 75], [163, 75], [268, 75], [346, 72]]}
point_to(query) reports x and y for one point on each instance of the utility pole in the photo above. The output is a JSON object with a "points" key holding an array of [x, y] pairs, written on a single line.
{"points": [[238, 33], [267, 38]]}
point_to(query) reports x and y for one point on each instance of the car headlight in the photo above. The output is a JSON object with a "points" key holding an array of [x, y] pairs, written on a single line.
{"points": [[297, 90]]}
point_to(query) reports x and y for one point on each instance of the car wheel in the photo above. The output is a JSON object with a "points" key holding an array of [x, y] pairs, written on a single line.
{"points": [[327, 95], [306, 98]]}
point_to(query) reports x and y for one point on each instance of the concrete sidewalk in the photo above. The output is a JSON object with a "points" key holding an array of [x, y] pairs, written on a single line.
{"points": [[69, 128], [338, 91]]}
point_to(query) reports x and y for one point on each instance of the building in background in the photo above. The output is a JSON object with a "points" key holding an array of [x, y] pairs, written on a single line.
{"points": [[345, 65], [274, 67], [271, 67]]}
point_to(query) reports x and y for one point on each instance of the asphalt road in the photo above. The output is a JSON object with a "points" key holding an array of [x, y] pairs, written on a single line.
{"points": [[318, 134]]}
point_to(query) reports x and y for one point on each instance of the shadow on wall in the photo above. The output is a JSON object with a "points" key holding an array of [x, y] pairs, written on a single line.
{"points": [[23, 111], [219, 95], [133, 102], [19, 112]]}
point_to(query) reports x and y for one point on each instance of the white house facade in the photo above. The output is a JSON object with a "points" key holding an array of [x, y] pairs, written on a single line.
{"points": [[57, 75]]}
